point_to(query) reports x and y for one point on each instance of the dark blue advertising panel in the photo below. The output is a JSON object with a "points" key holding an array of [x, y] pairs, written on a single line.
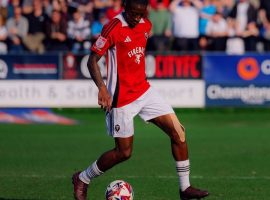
{"points": [[237, 95], [29, 66], [237, 69], [233, 80], [157, 66]]}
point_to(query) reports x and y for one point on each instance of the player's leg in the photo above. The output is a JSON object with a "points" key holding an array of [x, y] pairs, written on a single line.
{"points": [[120, 126], [172, 127], [170, 124], [121, 152]]}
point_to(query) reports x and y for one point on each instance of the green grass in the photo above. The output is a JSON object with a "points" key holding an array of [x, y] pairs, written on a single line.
{"points": [[229, 151]]}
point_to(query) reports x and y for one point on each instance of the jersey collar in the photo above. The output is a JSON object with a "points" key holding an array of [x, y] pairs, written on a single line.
{"points": [[123, 21]]}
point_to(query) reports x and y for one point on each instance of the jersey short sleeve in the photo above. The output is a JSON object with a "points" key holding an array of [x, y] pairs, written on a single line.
{"points": [[106, 38], [148, 26]]}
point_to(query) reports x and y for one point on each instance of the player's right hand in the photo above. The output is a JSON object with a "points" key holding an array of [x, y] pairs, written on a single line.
{"points": [[104, 99]]}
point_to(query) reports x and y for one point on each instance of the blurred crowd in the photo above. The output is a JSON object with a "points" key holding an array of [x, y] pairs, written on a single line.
{"points": [[39, 26]]}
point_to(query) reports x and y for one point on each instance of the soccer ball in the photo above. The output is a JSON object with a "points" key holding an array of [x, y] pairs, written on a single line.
{"points": [[119, 190]]}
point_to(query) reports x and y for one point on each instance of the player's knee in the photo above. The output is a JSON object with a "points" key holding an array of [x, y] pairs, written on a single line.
{"points": [[124, 154], [178, 132], [175, 138]]}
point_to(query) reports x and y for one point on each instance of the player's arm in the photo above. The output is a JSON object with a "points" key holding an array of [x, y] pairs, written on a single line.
{"points": [[98, 49], [94, 70], [104, 97]]}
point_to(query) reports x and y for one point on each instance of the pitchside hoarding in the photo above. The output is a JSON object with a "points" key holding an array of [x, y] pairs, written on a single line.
{"points": [[83, 93], [233, 80], [176, 77], [29, 66], [157, 66]]}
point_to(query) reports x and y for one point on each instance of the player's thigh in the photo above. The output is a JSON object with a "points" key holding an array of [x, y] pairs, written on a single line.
{"points": [[170, 124], [153, 106]]}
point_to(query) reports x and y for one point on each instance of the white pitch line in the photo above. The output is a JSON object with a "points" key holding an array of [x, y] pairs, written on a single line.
{"points": [[143, 177]]}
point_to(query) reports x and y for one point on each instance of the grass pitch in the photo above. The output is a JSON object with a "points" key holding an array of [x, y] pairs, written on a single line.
{"points": [[229, 152]]}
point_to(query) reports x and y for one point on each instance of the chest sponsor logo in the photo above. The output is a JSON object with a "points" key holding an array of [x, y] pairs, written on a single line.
{"points": [[137, 53]]}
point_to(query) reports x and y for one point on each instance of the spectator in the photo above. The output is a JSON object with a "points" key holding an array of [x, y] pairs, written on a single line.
{"points": [[4, 8], [61, 6], [217, 31], [3, 36], [47, 7], [185, 16], [161, 29], [101, 6], [64, 9], [264, 16], [224, 7], [235, 44], [97, 26], [79, 33], [207, 11], [27, 6], [244, 16], [12, 4], [56, 31], [115, 9], [153, 3], [17, 27], [37, 23], [84, 6]]}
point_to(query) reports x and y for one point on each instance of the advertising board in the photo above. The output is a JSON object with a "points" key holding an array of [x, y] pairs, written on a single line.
{"points": [[29, 66], [83, 93], [237, 80], [157, 66]]}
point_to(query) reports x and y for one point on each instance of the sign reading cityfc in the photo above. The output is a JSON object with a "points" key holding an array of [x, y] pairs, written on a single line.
{"points": [[187, 66]]}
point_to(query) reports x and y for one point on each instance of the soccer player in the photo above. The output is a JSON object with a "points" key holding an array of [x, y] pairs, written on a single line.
{"points": [[126, 94]]}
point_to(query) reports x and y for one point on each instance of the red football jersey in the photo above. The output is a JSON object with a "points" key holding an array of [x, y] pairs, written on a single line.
{"points": [[125, 57]]}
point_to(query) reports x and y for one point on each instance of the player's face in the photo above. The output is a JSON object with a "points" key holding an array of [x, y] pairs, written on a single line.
{"points": [[134, 13]]}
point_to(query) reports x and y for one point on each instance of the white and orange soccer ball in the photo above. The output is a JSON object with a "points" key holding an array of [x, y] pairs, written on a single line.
{"points": [[119, 190]]}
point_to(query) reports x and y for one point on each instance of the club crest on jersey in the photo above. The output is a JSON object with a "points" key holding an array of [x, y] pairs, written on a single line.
{"points": [[138, 53], [100, 43], [146, 35]]}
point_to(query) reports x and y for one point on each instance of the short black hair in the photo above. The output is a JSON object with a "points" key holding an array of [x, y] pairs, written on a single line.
{"points": [[141, 2]]}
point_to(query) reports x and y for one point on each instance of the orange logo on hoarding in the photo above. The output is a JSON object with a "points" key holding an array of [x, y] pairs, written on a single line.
{"points": [[248, 68]]}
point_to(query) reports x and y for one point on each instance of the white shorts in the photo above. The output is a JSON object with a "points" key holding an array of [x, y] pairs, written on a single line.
{"points": [[150, 105]]}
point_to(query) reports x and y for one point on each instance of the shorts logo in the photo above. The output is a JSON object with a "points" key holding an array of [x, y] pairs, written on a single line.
{"points": [[117, 127]]}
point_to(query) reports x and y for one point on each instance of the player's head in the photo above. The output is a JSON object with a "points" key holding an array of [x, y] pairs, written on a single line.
{"points": [[135, 10]]}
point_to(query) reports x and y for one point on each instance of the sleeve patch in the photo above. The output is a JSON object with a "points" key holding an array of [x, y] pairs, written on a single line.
{"points": [[100, 43]]}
